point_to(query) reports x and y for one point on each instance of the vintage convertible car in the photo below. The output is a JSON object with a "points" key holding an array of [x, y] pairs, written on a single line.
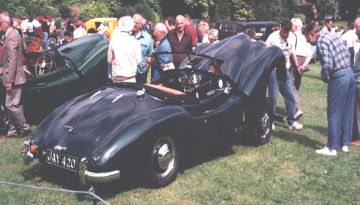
{"points": [[102, 134], [74, 68]]}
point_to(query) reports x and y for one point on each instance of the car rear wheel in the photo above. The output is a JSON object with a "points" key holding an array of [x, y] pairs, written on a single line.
{"points": [[162, 160], [262, 125]]}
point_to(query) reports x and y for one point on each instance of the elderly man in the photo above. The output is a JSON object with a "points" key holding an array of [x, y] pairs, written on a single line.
{"points": [[146, 44], [13, 78], [303, 55], [213, 35], [337, 73], [124, 52], [163, 61], [180, 40]]}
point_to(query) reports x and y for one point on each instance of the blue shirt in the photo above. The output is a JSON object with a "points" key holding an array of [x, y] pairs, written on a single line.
{"points": [[334, 54], [164, 46], [146, 44]]}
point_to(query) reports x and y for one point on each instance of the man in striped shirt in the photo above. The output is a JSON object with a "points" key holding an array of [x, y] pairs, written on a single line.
{"points": [[337, 73]]}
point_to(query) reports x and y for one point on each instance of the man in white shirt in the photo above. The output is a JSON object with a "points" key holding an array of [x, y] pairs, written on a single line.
{"points": [[285, 40], [79, 31], [349, 37], [124, 52]]}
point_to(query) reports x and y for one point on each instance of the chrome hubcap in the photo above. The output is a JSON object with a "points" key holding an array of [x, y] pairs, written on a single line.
{"points": [[265, 124], [164, 156]]}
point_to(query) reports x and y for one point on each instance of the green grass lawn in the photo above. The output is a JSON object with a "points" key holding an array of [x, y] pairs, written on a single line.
{"points": [[285, 171]]}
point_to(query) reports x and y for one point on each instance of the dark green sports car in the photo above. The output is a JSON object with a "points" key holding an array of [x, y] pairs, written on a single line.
{"points": [[75, 68]]}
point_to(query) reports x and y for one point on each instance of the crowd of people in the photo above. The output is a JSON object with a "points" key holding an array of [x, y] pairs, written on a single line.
{"points": [[133, 42], [340, 59], [172, 35]]}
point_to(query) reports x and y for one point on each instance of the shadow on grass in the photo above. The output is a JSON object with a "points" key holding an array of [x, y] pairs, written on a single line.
{"points": [[297, 136], [321, 130], [201, 152]]}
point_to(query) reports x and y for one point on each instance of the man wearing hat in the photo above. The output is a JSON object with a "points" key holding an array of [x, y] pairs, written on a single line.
{"points": [[124, 52]]}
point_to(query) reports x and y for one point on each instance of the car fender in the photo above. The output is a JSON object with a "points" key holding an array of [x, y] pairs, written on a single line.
{"points": [[137, 127]]}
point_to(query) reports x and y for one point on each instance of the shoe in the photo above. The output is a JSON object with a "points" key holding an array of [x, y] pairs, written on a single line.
{"points": [[345, 148], [25, 131], [298, 114], [273, 126], [356, 142], [12, 134], [296, 126], [326, 151]]}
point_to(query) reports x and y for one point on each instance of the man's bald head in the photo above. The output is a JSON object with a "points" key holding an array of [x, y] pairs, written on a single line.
{"points": [[180, 23]]}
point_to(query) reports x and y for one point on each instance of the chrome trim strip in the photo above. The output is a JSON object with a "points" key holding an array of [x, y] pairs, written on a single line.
{"points": [[102, 177], [85, 176]]}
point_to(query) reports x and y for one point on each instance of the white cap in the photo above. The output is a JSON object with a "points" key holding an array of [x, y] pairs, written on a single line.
{"points": [[126, 24]]}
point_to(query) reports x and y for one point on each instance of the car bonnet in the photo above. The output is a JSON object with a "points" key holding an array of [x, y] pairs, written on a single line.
{"points": [[93, 121]]}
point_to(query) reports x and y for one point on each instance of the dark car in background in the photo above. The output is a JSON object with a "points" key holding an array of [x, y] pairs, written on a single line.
{"points": [[229, 28], [71, 69]]}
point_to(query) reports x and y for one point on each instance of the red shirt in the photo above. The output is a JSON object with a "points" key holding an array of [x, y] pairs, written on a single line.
{"points": [[192, 30]]}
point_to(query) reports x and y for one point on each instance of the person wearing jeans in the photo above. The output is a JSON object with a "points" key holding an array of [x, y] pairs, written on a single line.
{"points": [[337, 73], [285, 40], [286, 91]]}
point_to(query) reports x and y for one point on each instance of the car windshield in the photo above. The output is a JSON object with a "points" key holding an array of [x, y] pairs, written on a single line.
{"points": [[81, 50], [198, 62]]}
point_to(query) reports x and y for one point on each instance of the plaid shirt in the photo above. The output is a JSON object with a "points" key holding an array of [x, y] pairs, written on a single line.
{"points": [[334, 54]]}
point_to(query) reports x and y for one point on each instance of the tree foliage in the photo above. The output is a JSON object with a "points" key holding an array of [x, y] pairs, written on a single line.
{"points": [[274, 10], [94, 9], [153, 10], [326, 7]]}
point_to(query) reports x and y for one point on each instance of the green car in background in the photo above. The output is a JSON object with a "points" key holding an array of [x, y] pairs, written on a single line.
{"points": [[74, 68]]}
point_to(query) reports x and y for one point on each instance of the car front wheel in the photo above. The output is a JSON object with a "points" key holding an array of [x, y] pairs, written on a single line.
{"points": [[162, 160]]}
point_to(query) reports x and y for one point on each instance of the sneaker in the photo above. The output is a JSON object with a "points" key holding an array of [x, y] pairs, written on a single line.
{"points": [[326, 151], [298, 114], [345, 148], [273, 126], [25, 131], [11, 134], [296, 126]]}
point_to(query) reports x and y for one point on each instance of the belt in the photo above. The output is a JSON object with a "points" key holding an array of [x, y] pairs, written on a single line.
{"points": [[338, 72], [301, 56], [122, 78]]}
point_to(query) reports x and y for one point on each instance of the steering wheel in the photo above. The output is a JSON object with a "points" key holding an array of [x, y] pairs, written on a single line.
{"points": [[44, 64]]}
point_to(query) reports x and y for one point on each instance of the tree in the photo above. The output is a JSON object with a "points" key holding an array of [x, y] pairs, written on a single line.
{"points": [[326, 7], [94, 9], [201, 7], [273, 10], [241, 10], [29, 7], [349, 9]]}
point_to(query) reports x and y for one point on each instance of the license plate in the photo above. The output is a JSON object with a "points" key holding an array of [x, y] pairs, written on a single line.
{"points": [[61, 160]]}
